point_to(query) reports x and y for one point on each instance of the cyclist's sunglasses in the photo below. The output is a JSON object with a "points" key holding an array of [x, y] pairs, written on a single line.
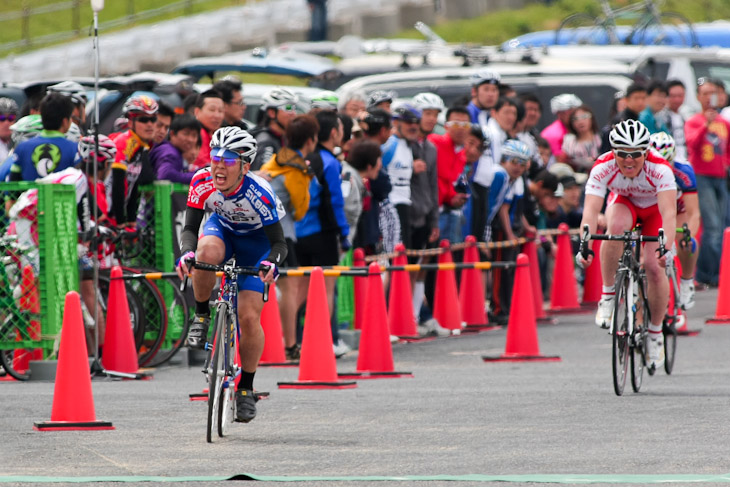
{"points": [[228, 161], [10, 117], [625, 154], [151, 119]]}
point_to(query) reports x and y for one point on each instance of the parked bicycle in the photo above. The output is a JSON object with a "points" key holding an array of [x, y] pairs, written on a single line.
{"points": [[644, 22], [222, 366], [631, 315]]}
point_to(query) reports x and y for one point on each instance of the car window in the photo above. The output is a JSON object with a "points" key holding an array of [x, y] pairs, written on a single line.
{"points": [[712, 70], [652, 69]]}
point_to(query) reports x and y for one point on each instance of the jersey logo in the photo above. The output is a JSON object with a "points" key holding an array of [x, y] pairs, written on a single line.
{"points": [[46, 158]]}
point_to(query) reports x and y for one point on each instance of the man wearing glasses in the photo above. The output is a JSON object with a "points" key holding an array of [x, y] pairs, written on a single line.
{"points": [[132, 167], [641, 188], [231, 90], [280, 108], [245, 223]]}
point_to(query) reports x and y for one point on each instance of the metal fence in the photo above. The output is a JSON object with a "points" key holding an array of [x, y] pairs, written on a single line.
{"points": [[23, 24]]}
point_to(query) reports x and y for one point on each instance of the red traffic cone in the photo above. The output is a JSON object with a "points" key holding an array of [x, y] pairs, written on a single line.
{"points": [[120, 353], [471, 293], [317, 368], [564, 293], [273, 354], [73, 402], [445, 310], [375, 357], [400, 317], [522, 343], [530, 249], [722, 310], [593, 280], [360, 288]]}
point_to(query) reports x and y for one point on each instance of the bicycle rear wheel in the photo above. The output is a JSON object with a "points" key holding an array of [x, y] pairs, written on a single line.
{"points": [[620, 333], [227, 405], [216, 371], [670, 345], [16, 361], [178, 321], [155, 313], [673, 29], [579, 28]]}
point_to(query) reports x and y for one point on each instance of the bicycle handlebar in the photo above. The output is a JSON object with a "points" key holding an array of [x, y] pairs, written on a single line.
{"points": [[627, 236], [229, 272]]}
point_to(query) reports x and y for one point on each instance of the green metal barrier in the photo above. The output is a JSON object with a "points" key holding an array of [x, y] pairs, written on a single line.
{"points": [[51, 253]]}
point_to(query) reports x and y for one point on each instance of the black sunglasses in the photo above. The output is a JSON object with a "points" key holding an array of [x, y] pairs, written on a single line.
{"points": [[625, 155], [146, 119]]}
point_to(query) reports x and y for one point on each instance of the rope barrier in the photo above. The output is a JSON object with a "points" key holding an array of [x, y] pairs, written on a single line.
{"points": [[337, 271], [482, 246]]}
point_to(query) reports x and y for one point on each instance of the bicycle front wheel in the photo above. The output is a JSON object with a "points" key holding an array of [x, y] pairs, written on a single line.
{"points": [[671, 29], [670, 345], [580, 28], [641, 322], [620, 332], [16, 361], [216, 371]]}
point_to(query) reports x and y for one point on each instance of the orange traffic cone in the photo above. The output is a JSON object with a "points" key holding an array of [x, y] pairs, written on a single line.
{"points": [[360, 288], [317, 368], [564, 293], [445, 310], [375, 357], [120, 353], [530, 249], [722, 310], [401, 321], [273, 354], [73, 402], [471, 292], [593, 280], [522, 344]]}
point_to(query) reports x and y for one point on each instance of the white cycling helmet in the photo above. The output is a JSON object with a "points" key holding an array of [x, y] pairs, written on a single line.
{"points": [[71, 89], [485, 76], [515, 149], [631, 134], [234, 139], [278, 97], [566, 101], [429, 101], [663, 143], [380, 96]]}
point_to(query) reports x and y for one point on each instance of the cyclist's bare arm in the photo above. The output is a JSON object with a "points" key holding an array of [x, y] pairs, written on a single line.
{"points": [[591, 209], [692, 212]]}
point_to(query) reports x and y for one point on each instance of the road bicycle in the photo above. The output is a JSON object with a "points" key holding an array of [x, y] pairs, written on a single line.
{"points": [[222, 365], [631, 314], [650, 26]]}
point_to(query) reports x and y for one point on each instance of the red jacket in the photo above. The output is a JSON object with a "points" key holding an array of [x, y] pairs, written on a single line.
{"points": [[450, 166], [203, 159], [708, 148]]}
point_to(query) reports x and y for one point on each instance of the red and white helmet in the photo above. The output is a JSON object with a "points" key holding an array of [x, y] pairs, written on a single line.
{"points": [[87, 150], [139, 106]]}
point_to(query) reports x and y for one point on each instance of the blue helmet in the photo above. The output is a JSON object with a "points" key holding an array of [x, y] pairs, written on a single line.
{"points": [[515, 149], [407, 113]]}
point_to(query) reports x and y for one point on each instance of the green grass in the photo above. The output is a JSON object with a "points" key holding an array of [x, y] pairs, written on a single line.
{"points": [[70, 19], [498, 27], [488, 29]]}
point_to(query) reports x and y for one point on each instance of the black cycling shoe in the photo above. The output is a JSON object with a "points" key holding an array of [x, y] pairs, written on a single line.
{"points": [[245, 405], [293, 352], [198, 333]]}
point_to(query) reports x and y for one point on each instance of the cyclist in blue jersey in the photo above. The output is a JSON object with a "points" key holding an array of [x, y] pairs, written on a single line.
{"points": [[688, 211], [245, 224]]}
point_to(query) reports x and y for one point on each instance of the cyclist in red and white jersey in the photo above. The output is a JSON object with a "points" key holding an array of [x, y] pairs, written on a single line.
{"points": [[642, 189]]}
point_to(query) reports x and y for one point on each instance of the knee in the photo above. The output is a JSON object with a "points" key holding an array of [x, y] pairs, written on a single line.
{"points": [[249, 320], [654, 272], [210, 252]]}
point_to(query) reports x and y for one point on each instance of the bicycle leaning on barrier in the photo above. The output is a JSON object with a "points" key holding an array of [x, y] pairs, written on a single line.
{"points": [[650, 26], [632, 314]]}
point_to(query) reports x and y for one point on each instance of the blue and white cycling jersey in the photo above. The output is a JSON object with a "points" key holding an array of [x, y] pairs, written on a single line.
{"points": [[685, 177], [252, 206]]}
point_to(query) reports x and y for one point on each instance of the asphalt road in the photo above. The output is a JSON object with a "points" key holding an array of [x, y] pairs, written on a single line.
{"points": [[554, 421]]}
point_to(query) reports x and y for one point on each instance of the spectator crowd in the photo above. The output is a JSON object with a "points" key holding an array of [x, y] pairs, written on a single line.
{"points": [[372, 171]]}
